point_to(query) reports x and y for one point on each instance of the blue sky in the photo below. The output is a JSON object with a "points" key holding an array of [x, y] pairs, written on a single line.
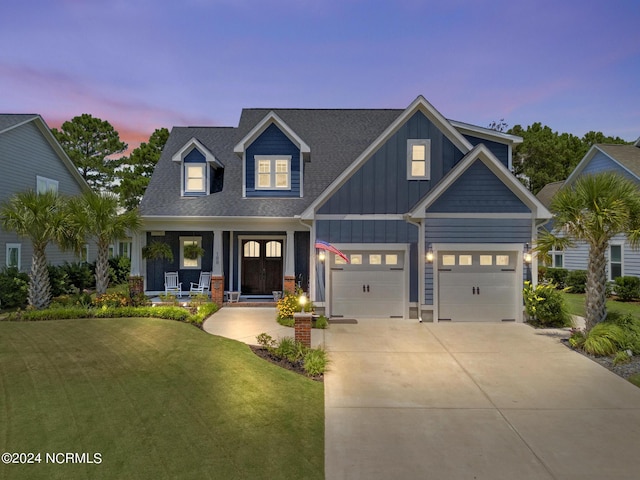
{"points": [[143, 64]]}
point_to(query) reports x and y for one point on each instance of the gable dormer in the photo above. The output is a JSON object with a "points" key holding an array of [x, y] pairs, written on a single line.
{"points": [[200, 171], [272, 160]]}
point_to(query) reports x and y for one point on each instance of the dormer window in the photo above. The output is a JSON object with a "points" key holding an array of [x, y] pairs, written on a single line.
{"points": [[273, 172], [419, 159], [200, 169]]}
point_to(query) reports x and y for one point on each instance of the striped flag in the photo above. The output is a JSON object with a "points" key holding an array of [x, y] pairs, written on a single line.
{"points": [[322, 245]]}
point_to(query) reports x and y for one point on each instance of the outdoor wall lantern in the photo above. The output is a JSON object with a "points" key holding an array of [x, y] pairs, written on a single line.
{"points": [[430, 255], [321, 256], [527, 254]]}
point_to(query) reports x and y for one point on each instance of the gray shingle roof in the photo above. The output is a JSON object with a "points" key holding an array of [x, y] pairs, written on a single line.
{"points": [[8, 120], [336, 138], [627, 155], [546, 194]]}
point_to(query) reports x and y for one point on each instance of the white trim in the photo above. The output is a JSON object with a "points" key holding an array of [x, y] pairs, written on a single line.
{"points": [[189, 146], [615, 244], [185, 179], [272, 159], [355, 216], [198, 240], [487, 133], [482, 153], [256, 131], [47, 183], [12, 246], [426, 143], [420, 104], [514, 216]]}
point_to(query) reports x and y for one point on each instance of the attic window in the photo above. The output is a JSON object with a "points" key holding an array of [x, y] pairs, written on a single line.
{"points": [[195, 173], [419, 159], [273, 172]]}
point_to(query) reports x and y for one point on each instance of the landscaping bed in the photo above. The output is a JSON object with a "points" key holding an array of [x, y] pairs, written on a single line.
{"points": [[296, 367]]}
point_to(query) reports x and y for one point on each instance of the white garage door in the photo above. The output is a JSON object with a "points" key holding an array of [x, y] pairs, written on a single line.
{"points": [[477, 286], [371, 285]]}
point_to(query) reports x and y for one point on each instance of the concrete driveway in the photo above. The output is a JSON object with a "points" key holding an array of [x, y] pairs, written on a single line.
{"points": [[405, 400]]}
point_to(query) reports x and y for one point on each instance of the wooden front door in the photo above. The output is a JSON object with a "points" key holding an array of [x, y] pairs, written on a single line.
{"points": [[261, 266]]}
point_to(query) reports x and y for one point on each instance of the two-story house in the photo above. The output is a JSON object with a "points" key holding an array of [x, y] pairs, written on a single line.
{"points": [[431, 220], [32, 159]]}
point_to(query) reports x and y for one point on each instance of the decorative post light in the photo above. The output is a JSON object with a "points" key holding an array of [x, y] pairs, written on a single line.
{"points": [[528, 258], [302, 323]]}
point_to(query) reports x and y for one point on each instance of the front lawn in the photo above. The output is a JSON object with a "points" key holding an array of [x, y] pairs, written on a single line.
{"points": [[575, 302], [156, 399]]}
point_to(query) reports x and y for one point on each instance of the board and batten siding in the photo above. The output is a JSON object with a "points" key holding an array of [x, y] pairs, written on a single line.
{"points": [[380, 186], [478, 190], [372, 232], [272, 142], [500, 150], [471, 231], [24, 155]]}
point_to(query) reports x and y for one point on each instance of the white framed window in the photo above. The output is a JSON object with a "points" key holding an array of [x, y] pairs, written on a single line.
{"points": [[273, 172], [251, 249], [502, 260], [124, 249], [615, 262], [195, 178], [84, 253], [419, 159], [486, 260], [465, 260], [557, 258], [190, 263], [44, 184], [391, 259], [448, 260], [273, 249], [13, 251]]}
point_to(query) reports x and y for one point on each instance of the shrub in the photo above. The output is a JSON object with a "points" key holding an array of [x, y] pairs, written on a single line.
{"points": [[59, 281], [546, 306], [631, 327], [577, 338], [14, 288], [558, 276], [621, 357], [266, 341], [577, 281], [321, 322], [627, 288], [315, 361], [80, 274], [290, 304], [605, 338], [112, 300], [119, 269], [80, 299], [288, 348]]}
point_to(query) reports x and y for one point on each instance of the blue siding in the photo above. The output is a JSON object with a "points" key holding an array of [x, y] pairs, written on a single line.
{"points": [[380, 186], [500, 150], [472, 230], [156, 268], [375, 231], [602, 163], [478, 190], [273, 142]]}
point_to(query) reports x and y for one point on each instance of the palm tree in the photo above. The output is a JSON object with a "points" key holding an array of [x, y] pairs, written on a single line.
{"points": [[43, 218], [96, 215], [594, 209]]}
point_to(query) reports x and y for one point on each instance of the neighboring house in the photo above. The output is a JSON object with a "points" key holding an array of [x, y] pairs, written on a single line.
{"points": [[426, 209], [622, 260], [32, 159]]}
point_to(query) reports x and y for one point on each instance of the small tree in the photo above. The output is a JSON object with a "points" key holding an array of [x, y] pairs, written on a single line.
{"points": [[42, 218], [96, 216], [594, 209]]}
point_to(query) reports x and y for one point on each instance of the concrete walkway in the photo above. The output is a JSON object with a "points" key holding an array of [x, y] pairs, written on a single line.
{"points": [[405, 400]]}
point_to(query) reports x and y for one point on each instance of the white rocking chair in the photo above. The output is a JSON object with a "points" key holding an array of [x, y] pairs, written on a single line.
{"points": [[172, 285], [203, 285]]}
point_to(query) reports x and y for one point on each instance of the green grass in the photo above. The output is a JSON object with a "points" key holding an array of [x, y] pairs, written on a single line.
{"points": [[575, 302], [635, 379], [157, 399]]}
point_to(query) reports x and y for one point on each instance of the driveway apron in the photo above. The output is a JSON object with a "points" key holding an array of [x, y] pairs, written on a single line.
{"points": [[405, 400]]}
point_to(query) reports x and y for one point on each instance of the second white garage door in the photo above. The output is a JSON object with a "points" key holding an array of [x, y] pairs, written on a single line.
{"points": [[477, 286], [371, 285]]}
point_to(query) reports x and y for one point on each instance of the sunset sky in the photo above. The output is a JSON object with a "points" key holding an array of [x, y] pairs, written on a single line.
{"points": [[143, 64]]}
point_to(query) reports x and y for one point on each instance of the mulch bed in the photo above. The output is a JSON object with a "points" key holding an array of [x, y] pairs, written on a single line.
{"points": [[624, 370], [284, 363]]}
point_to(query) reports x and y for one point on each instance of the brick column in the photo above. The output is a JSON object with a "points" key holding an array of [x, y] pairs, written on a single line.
{"points": [[290, 283], [217, 289], [303, 328]]}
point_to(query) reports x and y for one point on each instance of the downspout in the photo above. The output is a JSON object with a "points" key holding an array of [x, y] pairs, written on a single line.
{"points": [[421, 272]]}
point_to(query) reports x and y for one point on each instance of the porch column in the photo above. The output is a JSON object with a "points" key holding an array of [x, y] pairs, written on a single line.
{"points": [[136, 254], [217, 271], [290, 264]]}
